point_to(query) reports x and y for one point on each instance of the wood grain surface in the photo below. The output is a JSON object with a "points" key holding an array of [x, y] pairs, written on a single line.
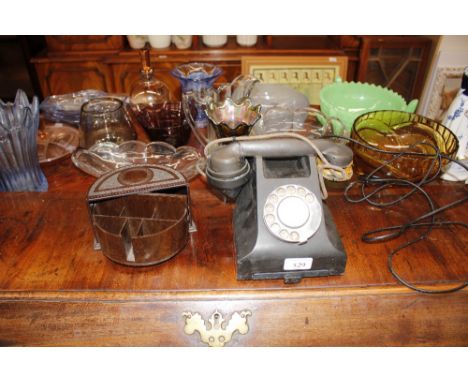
{"points": [[56, 290]]}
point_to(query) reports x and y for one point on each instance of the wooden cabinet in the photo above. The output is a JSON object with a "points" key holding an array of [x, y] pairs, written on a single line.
{"points": [[59, 77], [126, 69], [107, 63], [398, 63], [126, 74], [84, 43], [55, 290]]}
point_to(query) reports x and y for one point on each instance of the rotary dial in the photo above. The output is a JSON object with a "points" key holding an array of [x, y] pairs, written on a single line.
{"points": [[292, 213]]}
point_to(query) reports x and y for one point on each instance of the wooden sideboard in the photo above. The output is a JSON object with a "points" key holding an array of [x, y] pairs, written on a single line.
{"points": [[73, 63], [55, 290]]}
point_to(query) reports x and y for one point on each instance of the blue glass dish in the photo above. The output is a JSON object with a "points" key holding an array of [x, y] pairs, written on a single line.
{"points": [[67, 107]]}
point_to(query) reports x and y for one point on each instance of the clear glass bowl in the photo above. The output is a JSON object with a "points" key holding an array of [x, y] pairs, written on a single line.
{"points": [[306, 121], [108, 156]]}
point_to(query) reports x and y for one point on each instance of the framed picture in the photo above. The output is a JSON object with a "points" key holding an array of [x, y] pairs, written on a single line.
{"points": [[305, 74], [446, 85]]}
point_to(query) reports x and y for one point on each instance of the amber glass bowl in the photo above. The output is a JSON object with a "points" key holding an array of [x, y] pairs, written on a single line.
{"points": [[396, 132]]}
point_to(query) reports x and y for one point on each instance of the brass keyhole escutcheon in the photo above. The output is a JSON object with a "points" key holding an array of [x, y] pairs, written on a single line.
{"points": [[217, 333]]}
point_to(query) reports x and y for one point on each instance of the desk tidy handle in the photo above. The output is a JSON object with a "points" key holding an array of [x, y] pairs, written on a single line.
{"points": [[219, 333]]}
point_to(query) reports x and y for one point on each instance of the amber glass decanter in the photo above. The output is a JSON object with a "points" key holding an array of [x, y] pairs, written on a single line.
{"points": [[148, 96]]}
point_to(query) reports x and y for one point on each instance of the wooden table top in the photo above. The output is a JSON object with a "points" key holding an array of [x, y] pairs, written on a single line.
{"points": [[46, 245]]}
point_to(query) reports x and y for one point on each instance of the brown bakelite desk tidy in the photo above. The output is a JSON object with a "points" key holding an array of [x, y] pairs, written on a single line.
{"points": [[55, 289], [140, 214]]}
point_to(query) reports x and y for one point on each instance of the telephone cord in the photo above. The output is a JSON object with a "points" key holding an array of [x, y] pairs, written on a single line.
{"points": [[392, 232]]}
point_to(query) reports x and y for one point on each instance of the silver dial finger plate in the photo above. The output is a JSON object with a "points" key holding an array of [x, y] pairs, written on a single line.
{"points": [[292, 213]]}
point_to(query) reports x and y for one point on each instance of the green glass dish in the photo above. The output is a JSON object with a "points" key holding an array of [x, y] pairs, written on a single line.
{"points": [[348, 100]]}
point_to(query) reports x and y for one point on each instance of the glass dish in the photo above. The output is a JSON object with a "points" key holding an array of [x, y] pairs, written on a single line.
{"points": [[104, 157], [305, 121], [396, 132], [231, 119], [349, 100], [67, 107], [280, 104], [55, 142], [270, 97]]}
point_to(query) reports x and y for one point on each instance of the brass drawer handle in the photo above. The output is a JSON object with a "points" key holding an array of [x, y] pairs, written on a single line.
{"points": [[219, 333]]}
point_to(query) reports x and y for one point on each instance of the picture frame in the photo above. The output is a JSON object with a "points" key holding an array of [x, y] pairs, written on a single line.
{"points": [[307, 74], [446, 85]]}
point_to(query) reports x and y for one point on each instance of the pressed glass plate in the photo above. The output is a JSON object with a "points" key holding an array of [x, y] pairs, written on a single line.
{"points": [[55, 142], [104, 157]]}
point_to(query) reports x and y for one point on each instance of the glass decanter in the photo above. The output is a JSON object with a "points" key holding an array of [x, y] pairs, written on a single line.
{"points": [[148, 95]]}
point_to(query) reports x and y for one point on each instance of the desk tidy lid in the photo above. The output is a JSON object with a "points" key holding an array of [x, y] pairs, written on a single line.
{"points": [[135, 179]]}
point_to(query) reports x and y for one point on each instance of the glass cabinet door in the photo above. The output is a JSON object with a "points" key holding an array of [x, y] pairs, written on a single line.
{"points": [[398, 63]]}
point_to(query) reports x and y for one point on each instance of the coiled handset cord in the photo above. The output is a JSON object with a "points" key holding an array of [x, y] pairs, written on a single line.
{"points": [[392, 232]]}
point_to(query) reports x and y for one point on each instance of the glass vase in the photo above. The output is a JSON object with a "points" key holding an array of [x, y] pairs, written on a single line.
{"points": [[19, 164], [196, 78]]}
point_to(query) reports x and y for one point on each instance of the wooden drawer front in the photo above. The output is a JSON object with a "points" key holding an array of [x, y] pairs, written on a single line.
{"points": [[328, 319], [66, 77], [84, 43]]}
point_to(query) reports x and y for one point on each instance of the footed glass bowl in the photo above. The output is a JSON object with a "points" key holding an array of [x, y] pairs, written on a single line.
{"points": [[195, 75], [349, 100], [397, 132]]}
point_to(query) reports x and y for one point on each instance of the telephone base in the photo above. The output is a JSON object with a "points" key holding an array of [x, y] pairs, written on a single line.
{"points": [[290, 277], [260, 255]]}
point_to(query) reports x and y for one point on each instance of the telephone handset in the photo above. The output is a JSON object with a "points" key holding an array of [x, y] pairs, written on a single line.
{"points": [[227, 167], [281, 227]]}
